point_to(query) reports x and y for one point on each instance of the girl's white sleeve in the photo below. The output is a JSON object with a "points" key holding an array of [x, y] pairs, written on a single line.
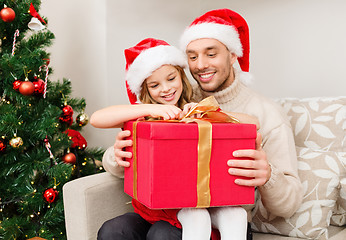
{"points": [[110, 165]]}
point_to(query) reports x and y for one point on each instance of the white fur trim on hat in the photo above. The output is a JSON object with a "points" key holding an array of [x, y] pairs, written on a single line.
{"points": [[226, 34], [149, 61]]}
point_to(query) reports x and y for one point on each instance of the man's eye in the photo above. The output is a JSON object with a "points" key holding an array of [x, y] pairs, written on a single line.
{"points": [[192, 58], [211, 54]]}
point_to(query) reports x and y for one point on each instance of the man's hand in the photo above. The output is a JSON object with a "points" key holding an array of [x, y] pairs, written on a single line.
{"points": [[257, 168], [119, 145]]}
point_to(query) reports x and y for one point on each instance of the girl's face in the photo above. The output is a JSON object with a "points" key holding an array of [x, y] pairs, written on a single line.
{"points": [[165, 85]]}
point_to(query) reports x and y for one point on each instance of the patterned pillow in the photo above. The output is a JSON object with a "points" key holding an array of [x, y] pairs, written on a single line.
{"points": [[319, 174], [320, 123], [319, 126]]}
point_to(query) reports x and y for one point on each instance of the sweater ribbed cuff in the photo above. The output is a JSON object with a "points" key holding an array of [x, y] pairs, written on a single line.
{"points": [[273, 177]]}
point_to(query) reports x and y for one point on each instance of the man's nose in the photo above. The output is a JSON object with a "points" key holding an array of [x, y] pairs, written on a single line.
{"points": [[202, 63]]}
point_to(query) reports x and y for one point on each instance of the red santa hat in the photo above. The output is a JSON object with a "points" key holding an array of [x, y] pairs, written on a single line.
{"points": [[146, 57], [225, 26]]}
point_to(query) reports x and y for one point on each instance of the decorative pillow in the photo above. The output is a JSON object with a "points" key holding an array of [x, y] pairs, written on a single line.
{"points": [[320, 123], [319, 126], [319, 174]]}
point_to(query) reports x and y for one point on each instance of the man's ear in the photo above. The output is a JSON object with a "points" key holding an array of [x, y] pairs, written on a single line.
{"points": [[233, 57]]}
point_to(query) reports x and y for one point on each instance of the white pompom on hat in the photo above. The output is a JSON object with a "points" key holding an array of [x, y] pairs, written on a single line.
{"points": [[146, 57], [224, 25]]}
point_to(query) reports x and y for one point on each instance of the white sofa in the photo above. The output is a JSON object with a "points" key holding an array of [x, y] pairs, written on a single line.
{"points": [[319, 125]]}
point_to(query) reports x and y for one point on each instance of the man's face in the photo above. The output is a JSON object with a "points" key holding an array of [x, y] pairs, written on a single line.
{"points": [[210, 63]]}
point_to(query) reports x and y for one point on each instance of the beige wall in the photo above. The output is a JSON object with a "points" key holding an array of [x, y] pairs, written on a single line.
{"points": [[297, 46]]}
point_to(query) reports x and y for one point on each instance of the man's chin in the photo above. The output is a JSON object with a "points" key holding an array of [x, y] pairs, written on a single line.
{"points": [[206, 87]]}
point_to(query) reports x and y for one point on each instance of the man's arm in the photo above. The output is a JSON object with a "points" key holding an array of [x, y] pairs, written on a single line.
{"points": [[277, 180], [114, 158]]}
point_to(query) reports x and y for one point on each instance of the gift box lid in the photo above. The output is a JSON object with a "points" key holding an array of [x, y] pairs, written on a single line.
{"points": [[179, 130]]}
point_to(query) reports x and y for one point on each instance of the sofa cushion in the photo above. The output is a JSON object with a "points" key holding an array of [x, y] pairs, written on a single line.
{"points": [[320, 124], [339, 214], [319, 173]]}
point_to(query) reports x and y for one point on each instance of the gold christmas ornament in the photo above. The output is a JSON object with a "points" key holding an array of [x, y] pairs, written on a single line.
{"points": [[82, 119], [16, 142]]}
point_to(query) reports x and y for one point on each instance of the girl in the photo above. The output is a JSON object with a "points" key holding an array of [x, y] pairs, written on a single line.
{"points": [[156, 79]]}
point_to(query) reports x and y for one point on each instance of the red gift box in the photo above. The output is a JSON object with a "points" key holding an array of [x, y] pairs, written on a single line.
{"points": [[165, 169]]}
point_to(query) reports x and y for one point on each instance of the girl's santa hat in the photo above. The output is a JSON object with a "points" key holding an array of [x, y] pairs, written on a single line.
{"points": [[225, 26], [146, 57]]}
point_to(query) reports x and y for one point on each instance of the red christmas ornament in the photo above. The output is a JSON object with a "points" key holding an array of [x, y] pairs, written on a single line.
{"points": [[7, 14], [50, 195], [16, 84], [78, 141], [67, 111], [69, 158], [27, 88], [2, 146], [38, 87], [68, 120]]}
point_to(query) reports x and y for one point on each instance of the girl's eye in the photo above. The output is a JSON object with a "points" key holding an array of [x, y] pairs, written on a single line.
{"points": [[171, 79], [154, 85]]}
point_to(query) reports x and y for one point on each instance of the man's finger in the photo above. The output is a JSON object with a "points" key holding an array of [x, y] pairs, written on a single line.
{"points": [[250, 182], [122, 135], [258, 141]]}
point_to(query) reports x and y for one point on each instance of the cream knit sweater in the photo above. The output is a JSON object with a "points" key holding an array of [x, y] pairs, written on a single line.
{"points": [[283, 193]]}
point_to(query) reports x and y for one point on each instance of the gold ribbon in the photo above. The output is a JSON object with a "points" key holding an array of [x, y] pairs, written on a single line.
{"points": [[203, 168], [208, 108], [134, 162]]}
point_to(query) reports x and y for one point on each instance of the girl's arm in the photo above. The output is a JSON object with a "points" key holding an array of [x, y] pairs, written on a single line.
{"points": [[115, 116]]}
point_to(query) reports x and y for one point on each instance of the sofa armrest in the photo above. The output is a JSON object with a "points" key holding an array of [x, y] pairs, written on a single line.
{"points": [[90, 201]]}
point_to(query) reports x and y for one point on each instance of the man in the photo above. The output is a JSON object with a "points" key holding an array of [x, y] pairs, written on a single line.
{"points": [[213, 44]]}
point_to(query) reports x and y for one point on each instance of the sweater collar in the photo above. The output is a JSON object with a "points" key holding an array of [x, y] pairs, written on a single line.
{"points": [[233, 95]]}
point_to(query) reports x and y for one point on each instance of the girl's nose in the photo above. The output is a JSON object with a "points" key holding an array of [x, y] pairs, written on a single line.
{"points": [[165, 87]]}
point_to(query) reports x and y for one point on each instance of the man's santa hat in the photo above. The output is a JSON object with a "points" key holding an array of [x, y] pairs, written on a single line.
{"points": [[224, 25], [146, 57]]}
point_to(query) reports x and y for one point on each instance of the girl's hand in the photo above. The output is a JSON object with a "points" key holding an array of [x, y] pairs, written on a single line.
{"points": [[164, 111], [187, 108]]}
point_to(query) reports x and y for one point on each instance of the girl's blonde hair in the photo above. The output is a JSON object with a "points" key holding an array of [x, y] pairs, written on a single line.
{"points": [[186, 95]]}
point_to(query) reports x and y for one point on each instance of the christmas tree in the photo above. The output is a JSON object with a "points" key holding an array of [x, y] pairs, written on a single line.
{"points": [[41, 147]]}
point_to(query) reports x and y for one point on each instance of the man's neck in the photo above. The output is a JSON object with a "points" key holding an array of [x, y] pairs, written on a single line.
{"points": [[228, 82]]}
